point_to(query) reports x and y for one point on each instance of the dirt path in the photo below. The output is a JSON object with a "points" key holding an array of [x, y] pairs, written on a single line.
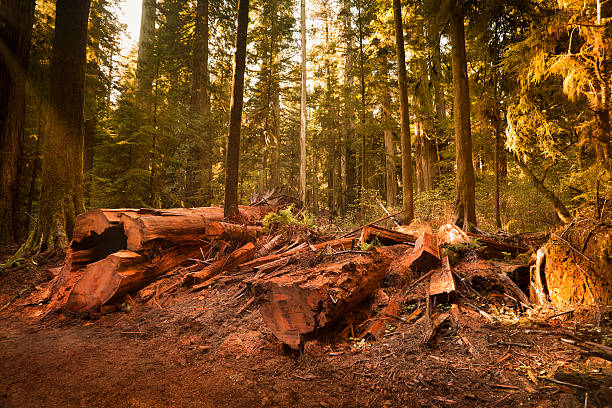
{"points": [[196, 350]]}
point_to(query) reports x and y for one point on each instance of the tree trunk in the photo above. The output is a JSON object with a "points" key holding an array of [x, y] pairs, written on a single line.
{"points": [[497, 175], [89, 135], [302, 187], [233, 143], [348, 156], [144, 68], [390, 180], [404, 115], [364, 172], [200, 98], [61, 197], [465, 204], [14, 52], [425, 154], [556, 202]]}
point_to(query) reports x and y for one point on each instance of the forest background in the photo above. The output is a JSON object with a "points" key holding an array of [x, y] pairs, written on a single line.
{"points": [[155, 124]]}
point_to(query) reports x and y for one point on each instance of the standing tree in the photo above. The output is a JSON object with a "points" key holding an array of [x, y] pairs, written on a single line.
{"points": [[200, 99], [303, 104], [404, 114], [465, 204], [15, 31], [233, 142], [61, 197]]}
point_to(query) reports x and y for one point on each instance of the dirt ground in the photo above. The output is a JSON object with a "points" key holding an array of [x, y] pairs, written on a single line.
{"points": [[204, 349]]}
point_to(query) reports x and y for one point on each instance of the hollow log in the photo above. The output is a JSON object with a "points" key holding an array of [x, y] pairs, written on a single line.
{"points": [[303, 299]]}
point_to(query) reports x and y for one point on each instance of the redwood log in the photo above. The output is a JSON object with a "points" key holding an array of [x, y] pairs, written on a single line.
{"points": [[450, 234], [304, 299], [385, 236], [111, 278], [336, 244], [425, 255], [442, 281], [243, 254], [181, 227]]}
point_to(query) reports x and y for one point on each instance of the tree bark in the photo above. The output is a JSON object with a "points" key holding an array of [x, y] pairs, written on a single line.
{"points": [[15, 32], [89, 135], [390, 180], [61, 197], [465, 204], [230, 209], [348, 155], [302, 187], [407, 204], [364, 172], [144, 68], [200, 98]]}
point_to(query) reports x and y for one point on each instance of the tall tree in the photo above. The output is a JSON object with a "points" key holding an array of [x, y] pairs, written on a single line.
{"points": [[61, 197], [200, 96], [144, 69], [15, 31], [233, 142], [407, 203], [302, 188], [348, 156], [465, 203]]}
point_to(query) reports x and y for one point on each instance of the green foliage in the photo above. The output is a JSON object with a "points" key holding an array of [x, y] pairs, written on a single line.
{"points": [[275, 221]]}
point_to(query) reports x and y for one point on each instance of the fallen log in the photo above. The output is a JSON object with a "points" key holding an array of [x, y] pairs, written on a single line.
{"points": [[243, 254], [442, 281], [304, 299], [385, 236], [336, 244], [378, 327], [189, 226], [110, 279], [425, 255]]}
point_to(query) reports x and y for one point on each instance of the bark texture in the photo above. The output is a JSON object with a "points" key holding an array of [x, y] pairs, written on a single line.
{"points": [[465, 204], [200, 98], [302, 187], [407, 204], [15, 31], [233, 145], [61, 197]]}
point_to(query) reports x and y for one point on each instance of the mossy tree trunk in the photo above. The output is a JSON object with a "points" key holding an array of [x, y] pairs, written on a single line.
{"points": [[61, 197]]}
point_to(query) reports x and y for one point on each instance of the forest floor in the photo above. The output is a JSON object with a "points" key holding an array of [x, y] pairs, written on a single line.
{"points": [[205, 349]]}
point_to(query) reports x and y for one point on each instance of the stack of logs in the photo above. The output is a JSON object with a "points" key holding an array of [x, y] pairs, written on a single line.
{"points": [[304, 286]]}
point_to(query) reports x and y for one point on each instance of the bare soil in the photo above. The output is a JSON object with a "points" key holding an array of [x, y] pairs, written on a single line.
{"points": [[204, 349]]}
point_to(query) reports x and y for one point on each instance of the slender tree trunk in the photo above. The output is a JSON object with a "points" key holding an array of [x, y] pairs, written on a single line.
{"points": [[390, 179], [364, 170], [465, 204], [276, 131], [233, 143], [497, 178], [89, 135], [15, 35], [557, 204], [407, 204], [145, 61], [302, 188], [61, 197], [348, 155], [200, 99]]}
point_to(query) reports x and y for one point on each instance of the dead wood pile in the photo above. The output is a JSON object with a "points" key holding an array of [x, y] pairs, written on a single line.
{"points": [[357, 285]]}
